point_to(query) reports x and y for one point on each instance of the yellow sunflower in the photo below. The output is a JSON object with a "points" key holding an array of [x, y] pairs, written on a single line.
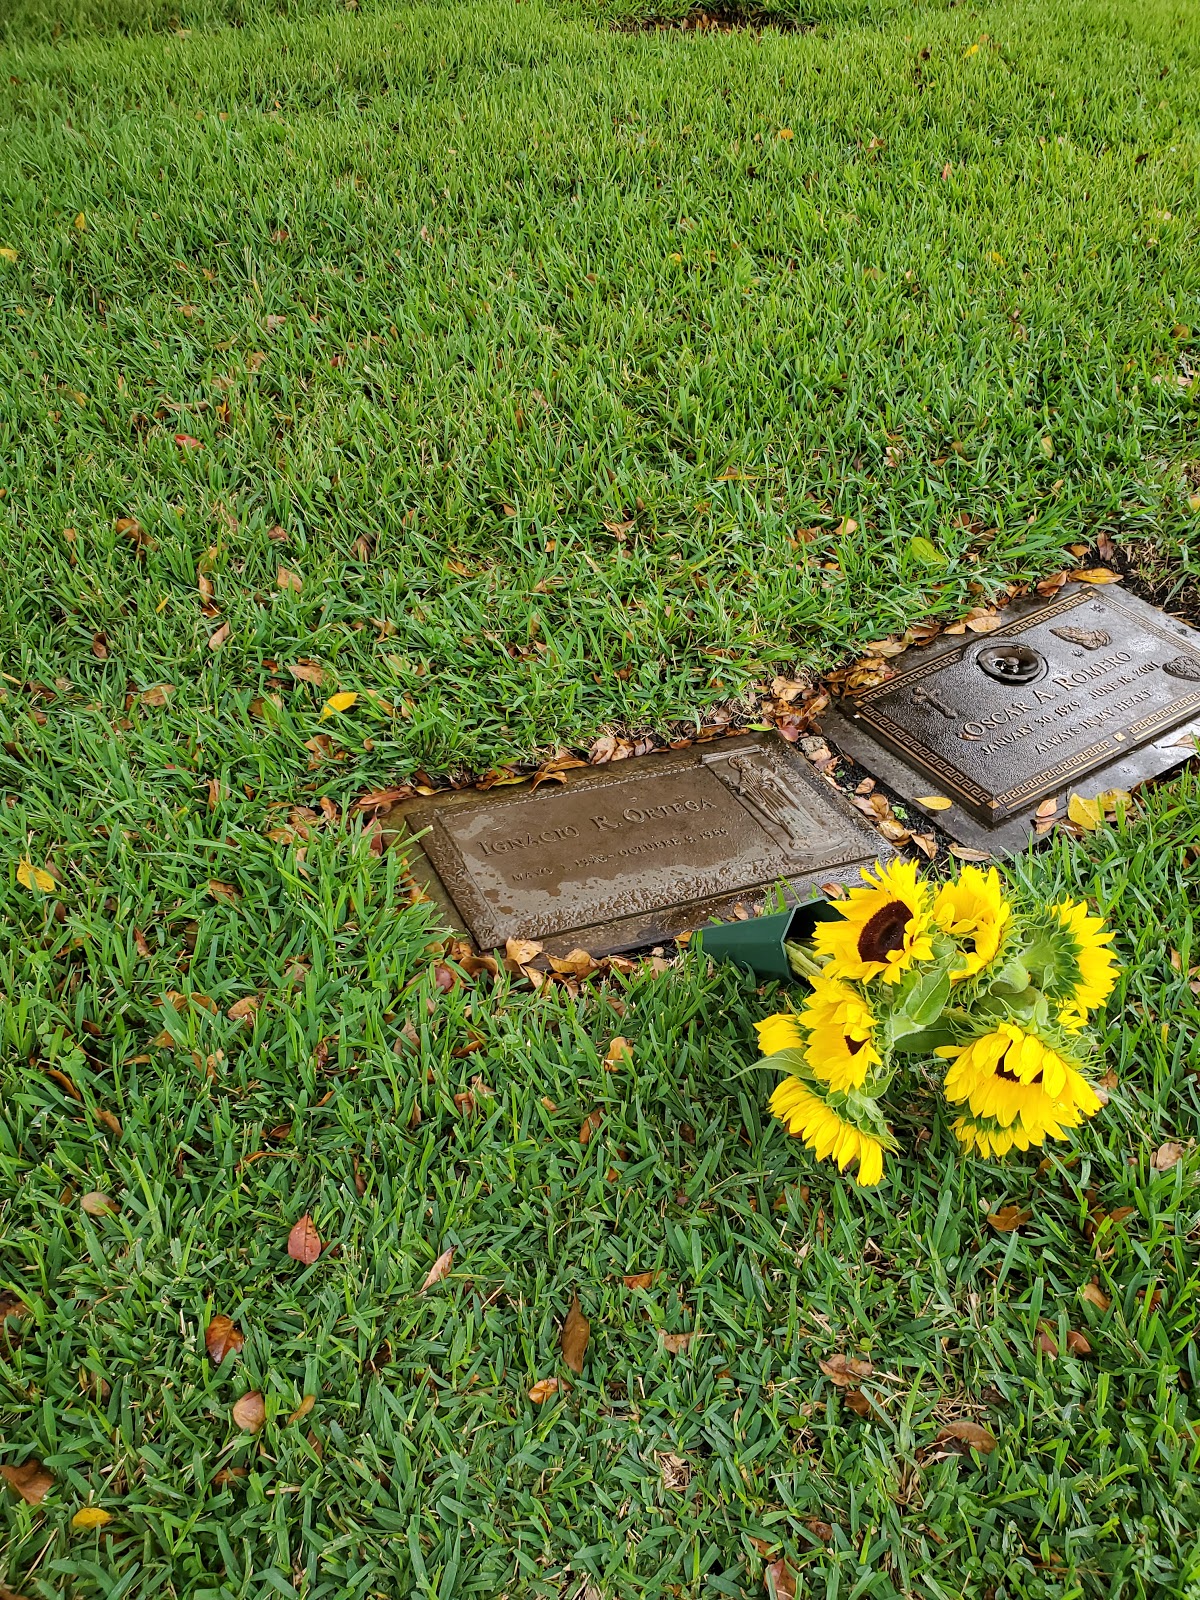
{"points": [[1015, 1087], [884, 927], [1097, 967], [839, 1048], [807, 1116], [975, 912]]}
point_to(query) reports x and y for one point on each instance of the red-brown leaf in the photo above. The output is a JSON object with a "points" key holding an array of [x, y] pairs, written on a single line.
{"points": [[543, 1389], [780, 1581], [577, 1330], [30, 1480], [304, 1242], [222, 1337], [1009, 1218]]}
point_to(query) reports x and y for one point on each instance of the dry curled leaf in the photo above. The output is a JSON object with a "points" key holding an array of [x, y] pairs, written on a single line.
{"points": [[222, 1338], [98, 1204], [218, 638], [1009, 1218], [619, 1050], [639, 1280], [304, 1242], [847, 1372], [439, 1269], [964, 852], [577, 1330], [303, 1408], [250, 1412], [110, 1120], [1095, 1295], [306, 672], [522, 951], [1078, 1344], [588, 1126], [244, 1010], [933, 802], [969, 1433], [90, 1517], [287, 579], [1166, 1156], [1045, 1340], [30, 1480], [224, 893], [543, 1389]]}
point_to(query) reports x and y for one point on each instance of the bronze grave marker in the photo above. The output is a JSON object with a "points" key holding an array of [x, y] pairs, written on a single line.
{"points": [[1089, 689], [641, 850]]}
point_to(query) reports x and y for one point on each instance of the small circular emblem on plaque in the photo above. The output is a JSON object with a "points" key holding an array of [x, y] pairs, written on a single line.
{"points": [[1009, 662], [1187, 667]]}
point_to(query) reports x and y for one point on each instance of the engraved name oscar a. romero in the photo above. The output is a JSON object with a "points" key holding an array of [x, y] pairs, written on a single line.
{"points": [[1050, 705]]}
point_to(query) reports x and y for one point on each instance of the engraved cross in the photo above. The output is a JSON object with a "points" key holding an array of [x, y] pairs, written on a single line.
{"points": [[931, 700]]}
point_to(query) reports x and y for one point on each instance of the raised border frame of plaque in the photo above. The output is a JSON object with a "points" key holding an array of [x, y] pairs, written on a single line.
{"points": [[626, 855], [1127, 673]]}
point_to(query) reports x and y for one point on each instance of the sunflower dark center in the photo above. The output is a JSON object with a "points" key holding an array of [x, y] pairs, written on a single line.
{"points": [[884, 931], [1011, 1077]]}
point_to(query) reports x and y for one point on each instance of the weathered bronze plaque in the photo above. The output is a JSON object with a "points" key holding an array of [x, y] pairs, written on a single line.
{"points": [[1063, 690], [624, 855]]}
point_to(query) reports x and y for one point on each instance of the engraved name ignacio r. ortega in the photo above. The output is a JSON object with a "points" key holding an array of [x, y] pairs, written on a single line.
{"points": [[631, 814]]}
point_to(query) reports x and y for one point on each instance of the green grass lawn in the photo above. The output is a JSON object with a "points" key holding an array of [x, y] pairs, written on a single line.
{"points": [[527, 347]]}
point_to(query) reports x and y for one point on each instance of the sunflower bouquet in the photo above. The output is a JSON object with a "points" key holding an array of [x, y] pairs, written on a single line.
{"points": [[999, 988]]}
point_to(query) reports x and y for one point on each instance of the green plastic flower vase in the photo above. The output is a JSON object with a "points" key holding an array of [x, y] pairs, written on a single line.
{"points": [[757, 943]]}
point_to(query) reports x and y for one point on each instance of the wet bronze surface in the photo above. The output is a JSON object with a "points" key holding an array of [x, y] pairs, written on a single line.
{"points": [[623, 855], [1061, 691]]}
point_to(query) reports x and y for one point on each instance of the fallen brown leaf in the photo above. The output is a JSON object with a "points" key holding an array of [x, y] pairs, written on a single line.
{"points": [[30, 1480], [287, 579], [575, 964], [819, 1530], [588, 1126], [969, 1433], [244, 1010], [222, 1338], [223, 893], [109, 1120], [303, 1408], [98, 1204], [1045, 1340], [217, 639], [676, 1343], [543, 1389], [304, 1242], [847, 1372], [522, 951], [1009, 1218], [250, 1411], [100, 646], [780, 1581], [439, 1269], [306, 672], [639, 1280], [577, 1330], [1078, 1344], [1166, 1156], [1095, 1295], [964, 852]]}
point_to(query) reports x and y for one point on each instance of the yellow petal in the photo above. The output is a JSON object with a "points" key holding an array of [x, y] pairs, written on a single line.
{"points": [[91, 1517], [1087, 813], [338, 702], [29, 877], [7, 253]]}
